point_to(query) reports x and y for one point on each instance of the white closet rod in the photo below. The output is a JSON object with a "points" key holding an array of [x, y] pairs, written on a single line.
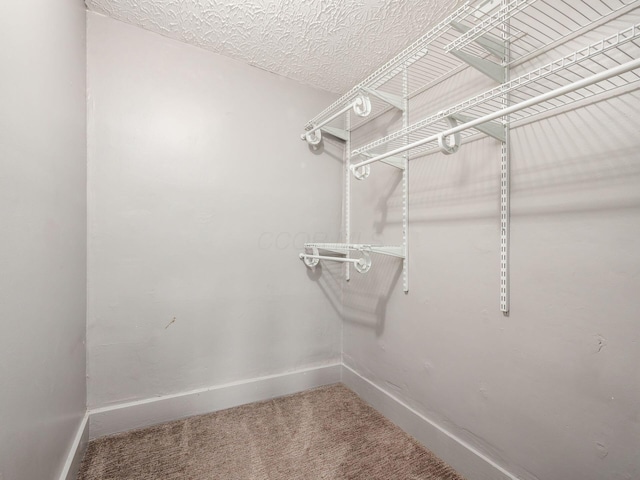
{"points": [[333, 259], [585, 82]]}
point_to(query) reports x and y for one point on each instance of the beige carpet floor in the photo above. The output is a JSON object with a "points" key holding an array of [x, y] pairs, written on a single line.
{"points": [[327, 433]]}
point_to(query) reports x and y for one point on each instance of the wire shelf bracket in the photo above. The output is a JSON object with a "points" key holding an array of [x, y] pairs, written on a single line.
{"points": [[489, 68], [397, 162], [490, 43], [391, 99], [492, 129], [340, 133]]}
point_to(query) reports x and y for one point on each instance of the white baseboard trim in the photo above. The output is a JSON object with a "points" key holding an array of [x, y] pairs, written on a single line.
{"points": [[143, 413], [76, 452], [453, 450]]}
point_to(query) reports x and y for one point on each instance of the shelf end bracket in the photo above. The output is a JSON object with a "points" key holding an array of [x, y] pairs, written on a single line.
{"points": [[393, 100], [489, 68], [397, 162], [490, 43], [336, 132], [492, 129]]}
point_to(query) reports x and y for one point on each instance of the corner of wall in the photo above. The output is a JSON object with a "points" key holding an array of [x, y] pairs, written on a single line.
{"points": [[76, 453], [453, 450]]}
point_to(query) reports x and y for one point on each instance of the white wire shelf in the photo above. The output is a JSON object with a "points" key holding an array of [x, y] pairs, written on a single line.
{"points": [[513, 109], [340, 252], [536, 26], [344, 248], [473, 33], [488, 23], [426, 56], [597, 57]]}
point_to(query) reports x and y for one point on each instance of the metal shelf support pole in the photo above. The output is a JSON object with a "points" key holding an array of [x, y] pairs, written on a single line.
{"points": [[505, 182], [347, 193], [405, 182]]}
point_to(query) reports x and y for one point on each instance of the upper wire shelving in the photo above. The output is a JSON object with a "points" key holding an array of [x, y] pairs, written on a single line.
{"points": [[384, 89], [605, 54], [427, 135], [542, 56]]}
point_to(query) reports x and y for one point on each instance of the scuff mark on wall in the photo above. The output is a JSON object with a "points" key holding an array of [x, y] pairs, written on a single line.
{"points": [[602, 450], [170, 323]]}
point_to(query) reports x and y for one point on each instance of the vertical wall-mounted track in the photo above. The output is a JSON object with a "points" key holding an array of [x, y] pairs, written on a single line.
{"points": [[405, 181], [504, 224], [347, 192], [505, 180]]}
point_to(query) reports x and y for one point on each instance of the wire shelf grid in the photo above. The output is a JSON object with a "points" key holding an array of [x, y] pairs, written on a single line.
{"points": [[538, 25], [596, 57]]}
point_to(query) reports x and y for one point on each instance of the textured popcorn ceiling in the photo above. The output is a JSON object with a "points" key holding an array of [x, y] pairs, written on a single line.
{"points": [[329, 44]]}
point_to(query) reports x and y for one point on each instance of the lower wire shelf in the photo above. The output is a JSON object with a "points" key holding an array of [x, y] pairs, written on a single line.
{"points": [[339, 252]]}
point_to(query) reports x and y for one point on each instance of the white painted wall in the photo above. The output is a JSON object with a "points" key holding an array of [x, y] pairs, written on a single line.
{"points": [[553, 390], [43, 234], [194, 227], [200, 198]]}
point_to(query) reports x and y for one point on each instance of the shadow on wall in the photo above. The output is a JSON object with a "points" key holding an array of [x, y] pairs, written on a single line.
{"points": [[557, 165], [328, 276], [365, 301], [382, 206], [321, 150], [384, 124]]}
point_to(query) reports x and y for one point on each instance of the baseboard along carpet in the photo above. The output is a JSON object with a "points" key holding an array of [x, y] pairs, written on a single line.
{"points": [[326, 433]]}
